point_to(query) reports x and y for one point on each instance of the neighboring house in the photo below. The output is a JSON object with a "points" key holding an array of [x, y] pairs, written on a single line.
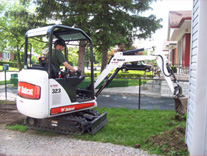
{"points": [[6, 56], [178, 39], [177, 49]]}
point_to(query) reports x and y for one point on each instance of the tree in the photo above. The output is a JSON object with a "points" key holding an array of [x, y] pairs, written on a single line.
{"points": [[108, 22], [18, 21], [118, 22], [2, 24], [65, 12]]}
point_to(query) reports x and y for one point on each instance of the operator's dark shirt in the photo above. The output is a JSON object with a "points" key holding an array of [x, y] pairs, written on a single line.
{"points": [[57, 59]]}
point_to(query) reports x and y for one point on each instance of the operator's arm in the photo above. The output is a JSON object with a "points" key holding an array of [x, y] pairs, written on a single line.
{"points": [[69, 66]]}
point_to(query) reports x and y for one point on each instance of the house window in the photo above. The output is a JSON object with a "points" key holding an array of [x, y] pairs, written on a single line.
{"points": [[6, 55]]}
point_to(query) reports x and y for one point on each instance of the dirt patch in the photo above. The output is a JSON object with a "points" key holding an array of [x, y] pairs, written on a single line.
{"points": [[179, 118], [9, 113], [172, 139]]}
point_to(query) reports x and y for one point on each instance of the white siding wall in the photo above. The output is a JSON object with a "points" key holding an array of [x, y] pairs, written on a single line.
{"points": [[197, 102]]}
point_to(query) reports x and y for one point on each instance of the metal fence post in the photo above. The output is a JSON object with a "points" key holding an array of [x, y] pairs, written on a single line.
{"points": [[5, 85], [139, 102], [5, 68]]}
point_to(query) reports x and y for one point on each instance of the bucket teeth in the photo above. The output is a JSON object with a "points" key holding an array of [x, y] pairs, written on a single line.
{"points": [[181, 104]]}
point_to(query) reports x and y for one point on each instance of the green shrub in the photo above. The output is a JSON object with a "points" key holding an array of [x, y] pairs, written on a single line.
{"points": [[124, 83], [33, 60], [10, 63], [115, 83], [125, 75]]}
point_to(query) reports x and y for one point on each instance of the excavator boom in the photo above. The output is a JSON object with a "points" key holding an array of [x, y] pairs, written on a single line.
{"points": [[120, 58]]}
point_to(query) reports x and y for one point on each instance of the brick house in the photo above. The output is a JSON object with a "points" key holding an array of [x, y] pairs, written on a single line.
{"points": [[6, 56]]}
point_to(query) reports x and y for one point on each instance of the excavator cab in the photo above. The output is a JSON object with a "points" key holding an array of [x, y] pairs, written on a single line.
{"points": [[44, 38]]}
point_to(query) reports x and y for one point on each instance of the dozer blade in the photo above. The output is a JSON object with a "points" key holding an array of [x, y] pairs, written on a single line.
{"points": [[181, 104], [95, 125]]}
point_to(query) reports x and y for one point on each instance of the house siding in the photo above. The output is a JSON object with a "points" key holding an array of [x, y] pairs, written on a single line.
{"points": [[197, 99]]}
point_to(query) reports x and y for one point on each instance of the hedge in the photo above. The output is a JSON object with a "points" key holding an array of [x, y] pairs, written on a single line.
{"points": [[124, 83], [124, 75], [11, 63]]}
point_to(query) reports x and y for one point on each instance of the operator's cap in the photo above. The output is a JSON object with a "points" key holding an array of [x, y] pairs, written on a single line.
{"points": [[60, 42]]}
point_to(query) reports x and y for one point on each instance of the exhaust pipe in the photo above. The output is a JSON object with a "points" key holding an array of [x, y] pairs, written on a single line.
{"points": [[181, 104]]}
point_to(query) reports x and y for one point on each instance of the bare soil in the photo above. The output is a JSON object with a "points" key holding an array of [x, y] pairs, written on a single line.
{"points": [[9, 113], [173, 139]]}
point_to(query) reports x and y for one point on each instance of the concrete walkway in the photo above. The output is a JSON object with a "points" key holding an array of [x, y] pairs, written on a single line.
{"points": [[11, 92], [133, 91]]}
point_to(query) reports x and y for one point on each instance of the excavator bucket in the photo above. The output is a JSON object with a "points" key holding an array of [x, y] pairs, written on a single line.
{"points": [[181, 104]]}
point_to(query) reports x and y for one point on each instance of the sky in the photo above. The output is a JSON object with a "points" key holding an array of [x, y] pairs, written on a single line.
{"points": [[161, 9]]}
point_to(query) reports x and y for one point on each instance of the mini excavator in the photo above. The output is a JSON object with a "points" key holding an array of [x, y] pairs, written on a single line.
{"points": [[52, 102]]}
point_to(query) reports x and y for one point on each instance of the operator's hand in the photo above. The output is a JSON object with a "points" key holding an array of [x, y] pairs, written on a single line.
{"points": [[78, 72]]}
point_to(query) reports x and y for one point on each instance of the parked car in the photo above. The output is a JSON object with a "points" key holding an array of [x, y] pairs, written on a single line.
{"points": [[136, 66]]}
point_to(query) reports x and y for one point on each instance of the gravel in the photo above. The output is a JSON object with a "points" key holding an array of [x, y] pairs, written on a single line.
{"points": [[17, 143]]}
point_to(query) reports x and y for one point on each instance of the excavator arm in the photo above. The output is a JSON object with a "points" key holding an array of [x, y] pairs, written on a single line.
{"points": [[120, 58]]}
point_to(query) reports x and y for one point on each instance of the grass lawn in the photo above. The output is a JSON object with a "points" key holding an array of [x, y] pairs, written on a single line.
{"points": [[131, 127], [155, 131], [3, 82]]}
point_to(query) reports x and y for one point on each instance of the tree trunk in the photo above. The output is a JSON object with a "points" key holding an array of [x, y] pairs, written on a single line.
{"points": [[104, 58], [19, 61], [81, 56]]}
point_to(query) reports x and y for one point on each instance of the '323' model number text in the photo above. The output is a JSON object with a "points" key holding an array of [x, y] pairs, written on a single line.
{"points": [[54, 91]]}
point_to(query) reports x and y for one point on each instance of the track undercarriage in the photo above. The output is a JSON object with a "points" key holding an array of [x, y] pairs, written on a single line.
{"points": [[76, 123]]}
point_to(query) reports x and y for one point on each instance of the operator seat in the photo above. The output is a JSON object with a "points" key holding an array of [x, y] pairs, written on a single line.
{"points": [[44, 63]]}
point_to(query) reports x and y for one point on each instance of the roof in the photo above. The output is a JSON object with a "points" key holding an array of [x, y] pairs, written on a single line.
{"points": [[176, 18], [62, 32], [167, 45]]}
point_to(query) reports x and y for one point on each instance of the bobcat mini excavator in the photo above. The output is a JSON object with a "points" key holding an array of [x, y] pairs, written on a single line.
{"points": [[55, 103]]}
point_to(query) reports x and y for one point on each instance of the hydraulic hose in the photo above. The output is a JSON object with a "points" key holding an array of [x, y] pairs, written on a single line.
{"points": [[168, 68], [178, 89]]}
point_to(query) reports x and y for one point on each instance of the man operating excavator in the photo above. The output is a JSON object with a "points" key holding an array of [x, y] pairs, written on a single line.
{"points": [[58, 58]]}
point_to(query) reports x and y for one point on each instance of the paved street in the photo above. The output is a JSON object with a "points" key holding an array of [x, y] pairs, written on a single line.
{"points": [[131, 102], [11, 93], [113, 100]]}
